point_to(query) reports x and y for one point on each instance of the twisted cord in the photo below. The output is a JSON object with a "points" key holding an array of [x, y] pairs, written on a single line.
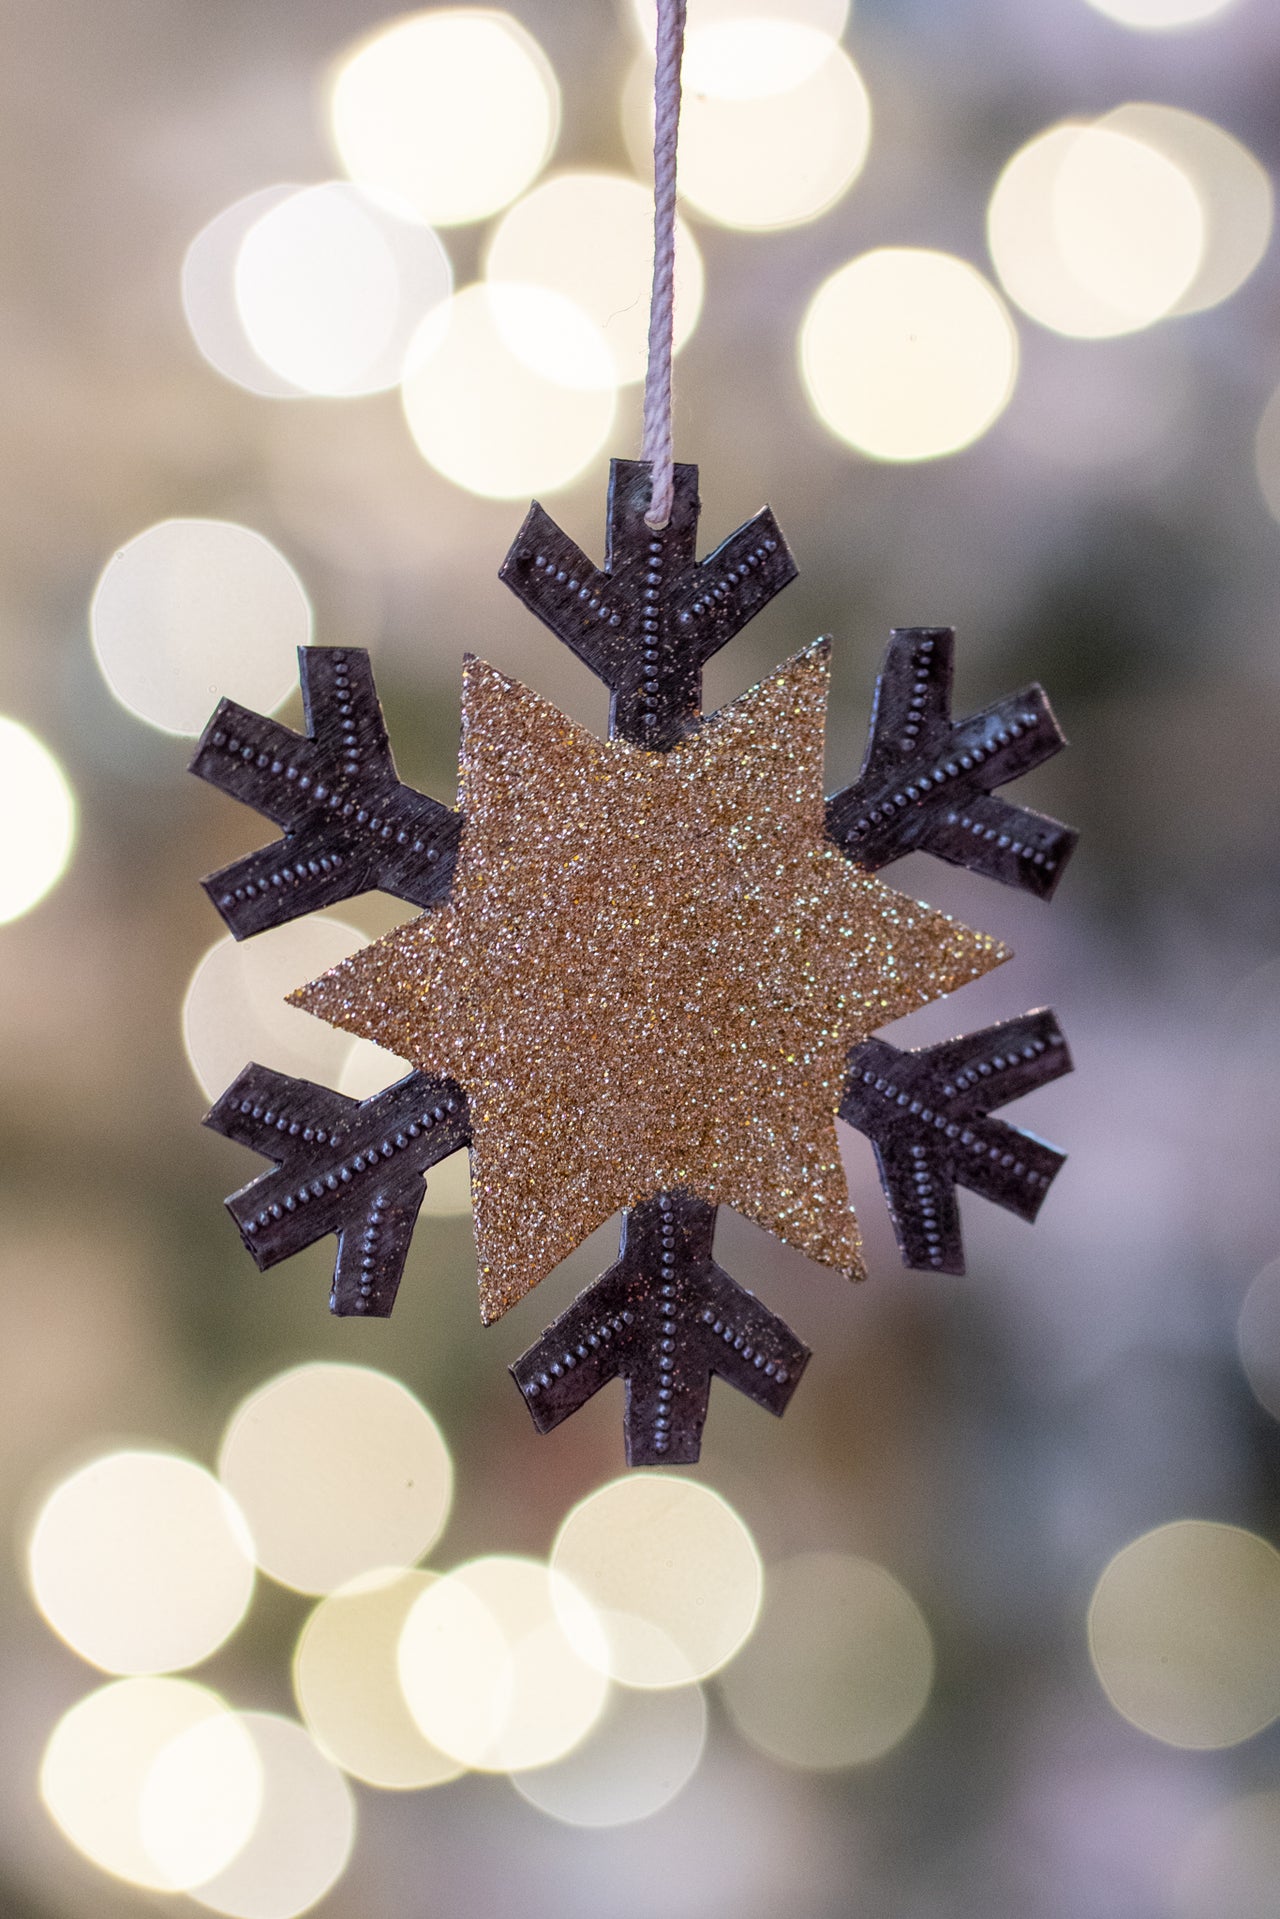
{"points": [[656, 446]]}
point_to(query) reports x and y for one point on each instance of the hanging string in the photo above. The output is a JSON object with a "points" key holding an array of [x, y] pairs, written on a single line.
{"points": [[656, 446]]}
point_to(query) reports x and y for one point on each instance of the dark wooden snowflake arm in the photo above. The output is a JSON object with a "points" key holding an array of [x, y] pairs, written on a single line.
{"points": [[927, 1115], [350, 824], [649, 620], [344, 1166], [666, 1318], [926, 781]]}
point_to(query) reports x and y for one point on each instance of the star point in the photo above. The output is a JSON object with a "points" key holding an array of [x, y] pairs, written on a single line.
{"points": [[649, 973]]}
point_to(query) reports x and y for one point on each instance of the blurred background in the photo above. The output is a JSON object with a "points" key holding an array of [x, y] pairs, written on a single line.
{"points": [[300, 306]]}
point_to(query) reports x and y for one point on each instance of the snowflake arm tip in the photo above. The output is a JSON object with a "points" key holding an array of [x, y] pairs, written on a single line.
{"points": [[350, 823]]}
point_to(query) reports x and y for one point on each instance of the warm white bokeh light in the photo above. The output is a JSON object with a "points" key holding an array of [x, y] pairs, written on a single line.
{"points": [[331, 284], [456, 110], [108, 1753], [539, 242], [209, 295], [1234, 190], [1184, 1631], [303, 1837], [908, 354], [339, 1471], [1258, 1328], [1093, 232], [1160, 16], [141, 1562], [641, 1753], [1230, 1866], [672, 1570], [747, 48], [194, 610], [501, 1664], [201, 1799], [483, 415], [235, 1008], [37, 820], [840, 1667], [346, 1676], [777, 160]]}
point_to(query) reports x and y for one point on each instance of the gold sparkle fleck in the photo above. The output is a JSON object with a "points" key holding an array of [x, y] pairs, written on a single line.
{"points": [[648, 974]]}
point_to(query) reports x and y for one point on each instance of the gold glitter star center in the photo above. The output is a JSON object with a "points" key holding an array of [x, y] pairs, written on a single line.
{"points": [[649, 973]]}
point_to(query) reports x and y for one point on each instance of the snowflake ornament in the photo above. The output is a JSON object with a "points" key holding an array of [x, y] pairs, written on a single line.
{"points": [[649, 971]]}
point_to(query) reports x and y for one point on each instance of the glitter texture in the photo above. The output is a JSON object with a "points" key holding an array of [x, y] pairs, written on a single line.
{"points": [[649, 974]]}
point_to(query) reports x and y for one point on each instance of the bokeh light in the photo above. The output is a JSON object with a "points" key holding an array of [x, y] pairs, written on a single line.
{"points": [[339, 1471], [640, 1754], [1160, 16], [331, 284], [191, 611], [747, 48], [908, 354], [1266, 451], [235, 1008], [303, 1837], [1093, 232], [539, 242], [106, 1760], [141, 1562], [671, 1569], [501, 1663], [1184, 1631], [209, 295], [1233, 187], [776, 160], [480, 411], [455, 110], [38, 818], [839, 1668], [201, 1799], [1258, 1335], [1230, 1867], [346, 1676]]}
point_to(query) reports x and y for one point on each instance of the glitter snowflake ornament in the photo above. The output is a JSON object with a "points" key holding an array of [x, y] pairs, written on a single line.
{"points": [[649, 972]]}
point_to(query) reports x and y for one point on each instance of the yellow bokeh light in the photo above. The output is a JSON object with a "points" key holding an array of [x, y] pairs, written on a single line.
{"points": [[777, 160], [481, 413], [456, 110], [38, 814], [209, 295], [908, 354], [1094, 233], [346, 1676], [671, 1569], [106, 1759], [1233, 187], [235, 1011], [141, 1562], [838, 1670], [1160, 16], [539, 241], [501, 1664], [642, 1752], [304, 1833], [1230, 1867], [201, 1799], [192, 610], [339, 1470], [1184, 1631], [331, 284]]}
